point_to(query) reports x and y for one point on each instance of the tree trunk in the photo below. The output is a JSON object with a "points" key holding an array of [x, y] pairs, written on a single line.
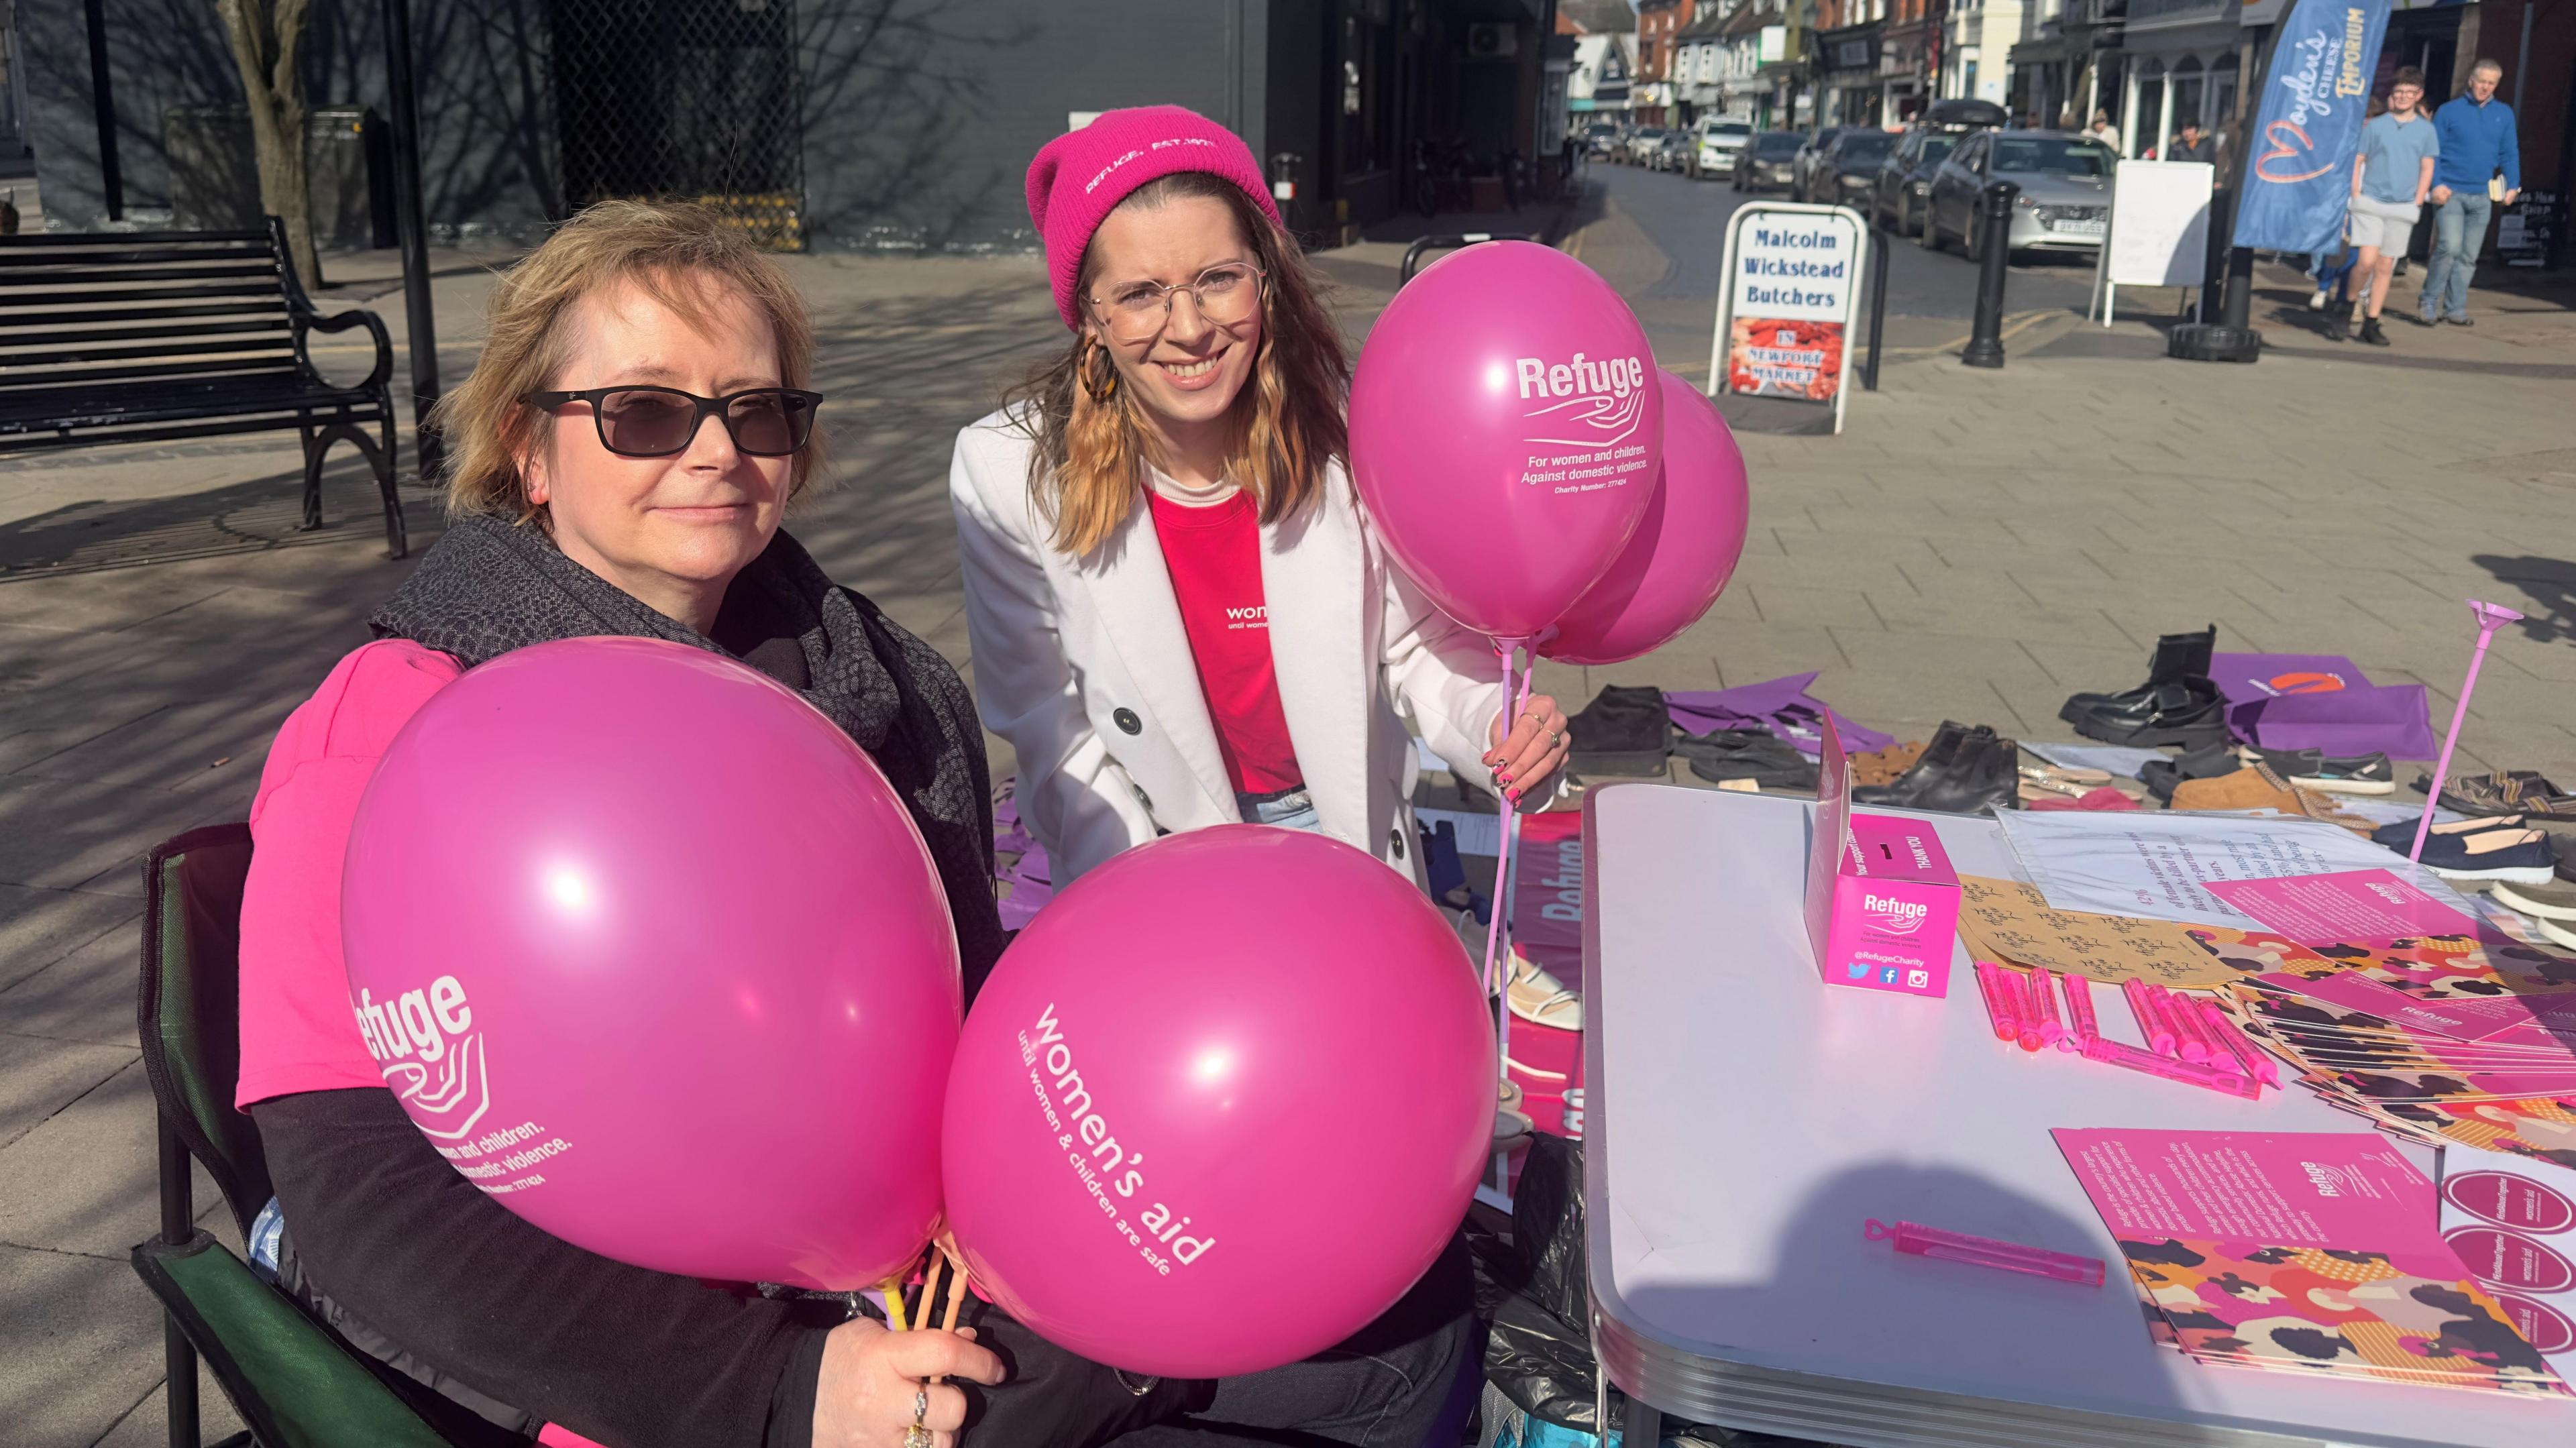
{"points": [[265, 35]]}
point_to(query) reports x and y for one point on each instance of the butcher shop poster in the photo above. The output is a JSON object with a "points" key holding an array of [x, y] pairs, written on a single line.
{"points": [[1793, 291]]}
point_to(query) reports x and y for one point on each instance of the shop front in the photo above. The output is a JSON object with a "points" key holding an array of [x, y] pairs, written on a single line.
{"points": [[1848, 83]]}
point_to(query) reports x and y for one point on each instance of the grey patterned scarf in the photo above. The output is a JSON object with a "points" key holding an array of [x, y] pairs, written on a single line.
{"points": [[488, 587]]}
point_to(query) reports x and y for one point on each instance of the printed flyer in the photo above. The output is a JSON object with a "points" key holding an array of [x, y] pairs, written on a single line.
{"points": [[2514, 1224], [2299, 1251]]}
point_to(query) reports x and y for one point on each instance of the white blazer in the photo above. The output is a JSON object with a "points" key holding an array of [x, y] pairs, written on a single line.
{"points": [[1082, 664]]}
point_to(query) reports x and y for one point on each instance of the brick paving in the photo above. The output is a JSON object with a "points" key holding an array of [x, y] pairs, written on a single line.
{"points": [[1976, 546]]}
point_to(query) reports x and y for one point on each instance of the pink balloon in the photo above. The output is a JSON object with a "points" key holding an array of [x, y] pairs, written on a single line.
{"points": [[1220, 1105], [1505, 428], [1682, 553], [653, 954]]}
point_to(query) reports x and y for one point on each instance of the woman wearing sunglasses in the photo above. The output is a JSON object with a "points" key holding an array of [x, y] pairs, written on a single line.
{"points": [[1178, 615], [636, 427]]}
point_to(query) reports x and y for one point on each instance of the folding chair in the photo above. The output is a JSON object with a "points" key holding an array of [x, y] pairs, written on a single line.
{"points": [[293, 1382]]}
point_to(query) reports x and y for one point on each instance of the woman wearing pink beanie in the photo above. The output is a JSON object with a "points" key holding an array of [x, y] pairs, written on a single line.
{"points": [[1179, 615], [1180, 618]]}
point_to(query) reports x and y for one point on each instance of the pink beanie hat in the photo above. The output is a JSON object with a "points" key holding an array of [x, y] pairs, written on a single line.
{"points": [[1081, 176]]}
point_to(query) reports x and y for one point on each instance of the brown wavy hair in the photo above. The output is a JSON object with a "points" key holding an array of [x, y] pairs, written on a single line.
{"points": [[1088, 466], [682, 256]]}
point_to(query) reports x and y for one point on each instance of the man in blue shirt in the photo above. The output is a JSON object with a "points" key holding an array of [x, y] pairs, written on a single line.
{"points": [[2478, 148], [2389, 178]]}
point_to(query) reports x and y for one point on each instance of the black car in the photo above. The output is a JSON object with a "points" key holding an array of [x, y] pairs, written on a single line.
{"points": [[1807, 182], [1849, 166], [1904, 179], [1764, 163]]}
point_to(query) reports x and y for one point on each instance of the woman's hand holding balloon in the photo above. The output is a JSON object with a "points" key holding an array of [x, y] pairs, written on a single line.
{"points": [[872, 1380], [1526, 760]]}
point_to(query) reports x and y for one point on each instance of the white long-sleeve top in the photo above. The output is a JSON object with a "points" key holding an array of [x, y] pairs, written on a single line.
{"points": [[1083, 665]]}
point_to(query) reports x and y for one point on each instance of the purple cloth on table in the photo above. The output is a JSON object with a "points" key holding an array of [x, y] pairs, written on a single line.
{"points": [[1781, 706], [2324, 702]]}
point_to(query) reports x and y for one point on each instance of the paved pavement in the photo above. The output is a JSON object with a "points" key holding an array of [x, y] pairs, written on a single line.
{"points": [[1975, 546]]}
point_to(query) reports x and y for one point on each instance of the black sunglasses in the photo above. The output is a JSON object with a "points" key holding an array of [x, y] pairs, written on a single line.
{"points": [[658, 422]]}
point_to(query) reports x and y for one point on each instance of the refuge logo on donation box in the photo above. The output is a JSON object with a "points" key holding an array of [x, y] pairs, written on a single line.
{"points": [[1882, 900], [1792, 292]]}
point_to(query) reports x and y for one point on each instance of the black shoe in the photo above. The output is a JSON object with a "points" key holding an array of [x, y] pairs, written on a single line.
{"points": [[2315, 769], [1624, 730], [2209, 761], [1964, 770], [2178, 657], [1754, 754], [2370, 332], [2188, 713], [2460, 321], [2351, 321]]}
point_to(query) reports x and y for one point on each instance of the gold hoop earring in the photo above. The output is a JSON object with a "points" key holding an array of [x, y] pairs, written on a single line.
{"points": [[1099, 383]]}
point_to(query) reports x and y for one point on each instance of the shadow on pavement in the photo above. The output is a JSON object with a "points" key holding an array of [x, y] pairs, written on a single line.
{"points": [[251, 517], [2548, 588]]}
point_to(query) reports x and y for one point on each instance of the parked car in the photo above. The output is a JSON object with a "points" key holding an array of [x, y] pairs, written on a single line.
{"points": [[1719, 141], [1675, 152], [1767, 163], [1641, 144], [2065, 201], [1807, 181], [1601, 138], [1962, 114], [1905, 178], [1849, 166]]}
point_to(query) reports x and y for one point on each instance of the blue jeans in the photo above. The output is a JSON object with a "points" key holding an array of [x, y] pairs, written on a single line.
{"points": [[1294, 810], [2459, 231]]}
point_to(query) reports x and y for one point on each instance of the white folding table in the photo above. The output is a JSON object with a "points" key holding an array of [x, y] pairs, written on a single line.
{"points": [[1746, 1119]]}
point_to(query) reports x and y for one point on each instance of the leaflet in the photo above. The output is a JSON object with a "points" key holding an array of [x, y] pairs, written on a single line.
{"points": [[2514, 1223], [2158, 864]]}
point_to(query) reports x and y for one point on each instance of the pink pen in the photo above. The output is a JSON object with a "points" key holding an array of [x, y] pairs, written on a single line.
{"points": [[1998, 1007], [2256, 1060], [2151, 1022], [2025, 1010], [2043, 994], [1922, 1241], [2080, 1021], [2228, 1082], [2191, 1041]]}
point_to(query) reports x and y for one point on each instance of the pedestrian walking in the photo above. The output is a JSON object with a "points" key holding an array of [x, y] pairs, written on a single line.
{"points": [[2480, 168], [2193, 144], [2389, 179], [2103, 131]]}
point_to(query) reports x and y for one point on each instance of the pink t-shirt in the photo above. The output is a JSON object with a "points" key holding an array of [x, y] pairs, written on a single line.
{"points": [[297, 1031]]}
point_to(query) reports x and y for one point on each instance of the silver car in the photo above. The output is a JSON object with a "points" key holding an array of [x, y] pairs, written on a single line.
{"points": [[2065, 200]]}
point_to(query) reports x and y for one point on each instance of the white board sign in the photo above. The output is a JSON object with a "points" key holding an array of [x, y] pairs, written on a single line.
{"points": [[2159, 228], [1784, 322]]}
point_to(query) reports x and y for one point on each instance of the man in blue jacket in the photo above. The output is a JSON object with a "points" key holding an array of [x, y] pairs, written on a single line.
{"points": [[2478, 145]]}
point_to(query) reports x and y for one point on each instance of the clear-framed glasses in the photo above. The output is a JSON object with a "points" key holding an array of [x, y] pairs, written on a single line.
{"points": [[1227, 295]]}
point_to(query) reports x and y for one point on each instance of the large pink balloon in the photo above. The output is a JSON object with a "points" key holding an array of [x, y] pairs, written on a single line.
{"points": [[1505, 428], [653, 954], [1683, 551], [1220, 1105]]}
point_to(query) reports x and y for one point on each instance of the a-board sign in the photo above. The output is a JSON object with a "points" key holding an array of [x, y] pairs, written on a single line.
{"points": [[2159, 228], [1792, 292]]}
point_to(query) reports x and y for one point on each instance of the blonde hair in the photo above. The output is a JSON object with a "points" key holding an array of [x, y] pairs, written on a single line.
{"points": [[1087, 469], [682, 256]]}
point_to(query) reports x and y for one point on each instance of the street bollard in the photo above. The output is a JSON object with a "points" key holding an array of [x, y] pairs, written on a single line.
{"points": [[1986, 338], [1877, 305]]}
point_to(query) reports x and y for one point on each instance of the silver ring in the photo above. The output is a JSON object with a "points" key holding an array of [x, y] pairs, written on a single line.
{"points": [[920, 1404]]}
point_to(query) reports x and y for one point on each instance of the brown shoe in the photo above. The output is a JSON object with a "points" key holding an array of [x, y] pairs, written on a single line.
{"points": [[2253, 787]]}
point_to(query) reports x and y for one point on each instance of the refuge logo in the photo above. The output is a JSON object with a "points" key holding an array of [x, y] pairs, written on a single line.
{"points": [[425, 1043], [1590, 404], [1896, 917]]}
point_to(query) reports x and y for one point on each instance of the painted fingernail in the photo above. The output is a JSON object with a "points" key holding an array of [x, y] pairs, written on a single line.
{"points": [[1514, 795], [1505, 778]]}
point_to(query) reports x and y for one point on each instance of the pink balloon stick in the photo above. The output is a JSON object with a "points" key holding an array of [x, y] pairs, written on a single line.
{"points": [[2490, 618]]}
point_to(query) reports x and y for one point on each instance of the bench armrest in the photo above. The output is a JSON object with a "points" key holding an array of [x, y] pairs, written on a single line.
{"points": [[311, 321]]}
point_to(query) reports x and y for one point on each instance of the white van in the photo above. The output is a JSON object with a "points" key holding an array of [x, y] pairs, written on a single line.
{"points": [[1720, 138]]}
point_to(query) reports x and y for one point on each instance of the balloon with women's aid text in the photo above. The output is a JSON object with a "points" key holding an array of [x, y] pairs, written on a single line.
{"points": [[653, 954], [1220, 1105], [1683, 552], [1504, 431]]}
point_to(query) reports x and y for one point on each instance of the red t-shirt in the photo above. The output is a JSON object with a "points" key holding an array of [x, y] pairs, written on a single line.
{"points": [[1214, 555]]}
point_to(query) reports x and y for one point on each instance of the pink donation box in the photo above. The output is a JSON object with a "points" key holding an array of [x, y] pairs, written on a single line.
{"points": [[1882, 900]]}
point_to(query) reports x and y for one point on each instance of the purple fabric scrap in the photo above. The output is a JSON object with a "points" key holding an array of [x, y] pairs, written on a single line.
{"points": [[2323, 702], [1782, 706]]}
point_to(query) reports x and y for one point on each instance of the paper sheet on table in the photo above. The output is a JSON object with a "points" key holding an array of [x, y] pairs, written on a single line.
{"points": [[2116, 758], [2008, 920], [2514, 1223], [1478, 834], [2152, 865]]}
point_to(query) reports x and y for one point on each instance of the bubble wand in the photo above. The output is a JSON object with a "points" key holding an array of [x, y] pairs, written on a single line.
{"points": [[2490, 618]]}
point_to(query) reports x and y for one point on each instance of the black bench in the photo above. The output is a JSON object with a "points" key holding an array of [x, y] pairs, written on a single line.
{"points": [[151, 336]]}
